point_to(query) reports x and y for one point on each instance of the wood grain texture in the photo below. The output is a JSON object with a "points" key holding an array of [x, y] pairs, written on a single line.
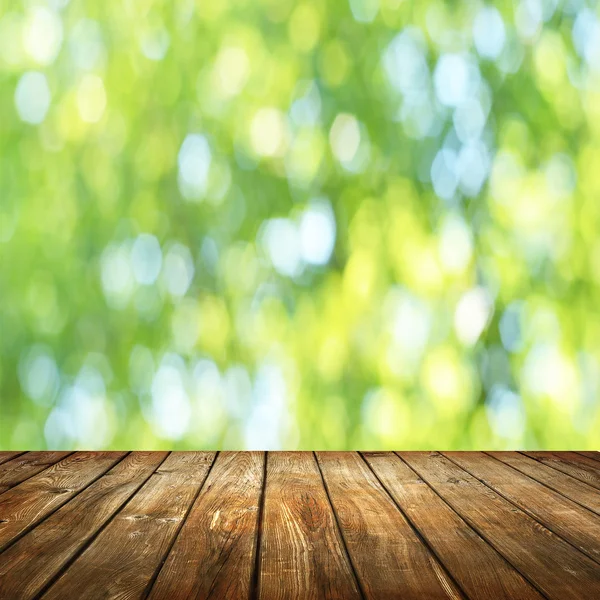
{"points": [[553, 565], [122, 560], [302, 553], [34, 560], [480, 571], [214, 555], [25, 505], [318, 525], [593, 454], [573, 464], [387, 555], [6, 456], [559, 514], [569, 487], [25, 466]]}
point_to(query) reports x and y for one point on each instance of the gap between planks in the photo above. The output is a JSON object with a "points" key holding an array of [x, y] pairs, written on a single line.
{"points": [[102, 527], [70, 495], [124, 558], [476, 531], [577, 489], [550, 526], [256, 575], [417, 532], [255, 583], [339, 530], [161, 564], [551, 571]]}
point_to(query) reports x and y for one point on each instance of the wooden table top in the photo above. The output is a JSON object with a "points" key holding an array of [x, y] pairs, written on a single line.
{"points": [[299, 525]]}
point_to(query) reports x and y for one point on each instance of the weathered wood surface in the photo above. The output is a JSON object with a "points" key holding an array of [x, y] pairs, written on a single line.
{"points": [[214, 554], [550, 509], [569, 487], [486, 574], [551, 563], [389, 558], [24, 505], [279, 525], [577, 465], [302, 553], [6, 456], [34, 561], [124, 559], [19, 469]]}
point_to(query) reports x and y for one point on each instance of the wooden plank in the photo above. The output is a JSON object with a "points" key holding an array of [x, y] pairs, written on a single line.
{"points": [[590, 454], [302, 553], [214, 555], [19, 469], [27, 504], [554, 566], [388, 556], [58, 539], [480, 571], [559, 514], [572, 464], [572, 488], [6, 456], [122, 561]]}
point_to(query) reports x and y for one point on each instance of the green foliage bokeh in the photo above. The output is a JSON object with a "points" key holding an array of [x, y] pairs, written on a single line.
{"points": [[297, 224]]}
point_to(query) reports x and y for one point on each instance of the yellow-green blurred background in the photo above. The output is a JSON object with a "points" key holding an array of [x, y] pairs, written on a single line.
{"points": [[299, 224]]}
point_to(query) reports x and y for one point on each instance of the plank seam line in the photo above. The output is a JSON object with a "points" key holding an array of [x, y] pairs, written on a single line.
{"points": [[340, 530], [59, 506], [17, 455], [255, 580], [416, 531], [524, 453], [544, 484], [583, 462], [597, 458], [20, 457], [488, 541], [526, 512], [161, 563], [61, 571]]}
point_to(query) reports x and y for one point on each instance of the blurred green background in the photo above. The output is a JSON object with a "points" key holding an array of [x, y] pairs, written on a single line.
{"points": [[299, 224]]}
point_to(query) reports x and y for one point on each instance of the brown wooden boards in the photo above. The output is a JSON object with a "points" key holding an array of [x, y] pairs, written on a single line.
{"points": [[25, 466], [302, 554], [28, 503], [590, 454], [6, 456], [282, 525], [123, 559], [388, 557], [32, 562], [552, 510], [214, 555], [553, 565], [569, 487], [573, 464], [485, 574]]}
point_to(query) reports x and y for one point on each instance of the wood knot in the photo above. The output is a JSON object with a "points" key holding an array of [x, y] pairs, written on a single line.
{"points": [[169, 519]]}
